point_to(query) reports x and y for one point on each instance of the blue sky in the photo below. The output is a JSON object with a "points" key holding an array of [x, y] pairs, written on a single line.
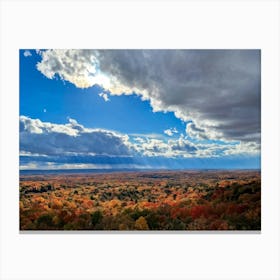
{"points": [[139, 109], [55, 101]]}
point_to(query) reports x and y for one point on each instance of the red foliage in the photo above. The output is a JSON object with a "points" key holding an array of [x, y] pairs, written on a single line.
{"points": [[182, 213], [197, 211]]}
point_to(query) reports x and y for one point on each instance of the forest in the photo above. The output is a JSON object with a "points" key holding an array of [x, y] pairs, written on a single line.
{"points": [[147, 200]]}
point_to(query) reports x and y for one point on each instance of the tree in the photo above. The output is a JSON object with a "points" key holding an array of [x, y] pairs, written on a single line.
{"points": [[45, 221], [96, 217], [141, 224]]}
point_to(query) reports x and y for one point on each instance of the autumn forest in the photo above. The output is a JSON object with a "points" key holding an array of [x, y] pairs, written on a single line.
{"points": [[147, 200]]}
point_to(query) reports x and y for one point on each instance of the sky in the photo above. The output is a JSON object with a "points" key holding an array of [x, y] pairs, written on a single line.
{"points": [[146, 109]]}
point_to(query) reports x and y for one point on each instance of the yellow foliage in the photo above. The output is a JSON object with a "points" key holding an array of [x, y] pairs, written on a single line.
{"points": [[123, 227], [141, 224], [56, 220]]}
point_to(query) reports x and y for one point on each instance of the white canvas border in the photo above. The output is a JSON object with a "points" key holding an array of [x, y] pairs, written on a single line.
{"points": [[124, 24]]}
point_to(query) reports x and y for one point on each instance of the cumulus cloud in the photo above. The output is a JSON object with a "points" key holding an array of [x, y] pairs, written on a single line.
{"points": [[27, 53], [79, 67], [104, 96], [154, 147], [193, 131], [76, 67], [170, 131], [243, 148], [219, 90], [71, 138], [42, 143], [182, 145]]}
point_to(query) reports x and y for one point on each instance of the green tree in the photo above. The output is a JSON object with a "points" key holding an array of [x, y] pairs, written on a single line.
{"points": [[96, 217], [45, 221]]}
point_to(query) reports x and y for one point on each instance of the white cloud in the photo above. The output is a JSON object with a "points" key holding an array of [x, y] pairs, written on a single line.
{"points": [[154, 147], [148, 135], [170, 131], [29, 166], [243, 148], [180, 147], [36, 126], [72, 143], [81, 68], [139, 139], [71, 138], [75, 66], [104, 96], [27, 53]]}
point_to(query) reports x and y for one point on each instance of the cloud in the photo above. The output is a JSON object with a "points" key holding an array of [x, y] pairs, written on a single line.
{"points": [[170, 131], [147, 135], [182, 145], [75, 66], [81, 68], [55, 166], [219, 90], [70, 138], [243, 148], [27, 53], [193, 131], [104, 96], [42, 143]]}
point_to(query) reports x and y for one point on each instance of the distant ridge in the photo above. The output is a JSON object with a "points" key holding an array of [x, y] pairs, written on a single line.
{"points": [[88, 171]]}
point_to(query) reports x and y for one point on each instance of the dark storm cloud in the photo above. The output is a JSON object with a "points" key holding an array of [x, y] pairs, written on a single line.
{"points": [[219, 90]]}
